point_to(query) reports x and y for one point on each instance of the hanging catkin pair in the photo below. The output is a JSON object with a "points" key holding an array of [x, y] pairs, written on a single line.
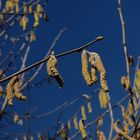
{"points": [[89, 78], [52, 70], [97, 65], [13, 89]]}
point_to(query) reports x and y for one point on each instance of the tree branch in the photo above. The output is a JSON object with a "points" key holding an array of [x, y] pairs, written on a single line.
{"points": [[57, 56]]}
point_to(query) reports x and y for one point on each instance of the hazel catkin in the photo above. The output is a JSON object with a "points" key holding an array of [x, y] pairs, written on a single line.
{"points": [[97, 64], [52, 70], [85, 71], [10, 90], [17, 91]]}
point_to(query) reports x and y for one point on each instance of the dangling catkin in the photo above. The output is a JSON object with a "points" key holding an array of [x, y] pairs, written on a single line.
{"points": [[83, 112], [52, 70], [69, 124], [102, 136], [75, 122], [97, 64], [85, 71], [89, 107], [16, 118], [82, 129], [100, 120], [10, 90], [17, 91], [125, 83], [93, 74], [103, 99]]}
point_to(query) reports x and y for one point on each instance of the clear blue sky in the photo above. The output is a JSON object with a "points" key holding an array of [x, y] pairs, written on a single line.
{"points": [[84, 20]]}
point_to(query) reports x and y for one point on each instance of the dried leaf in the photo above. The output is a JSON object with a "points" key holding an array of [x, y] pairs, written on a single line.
{"points": [[85, 71]]}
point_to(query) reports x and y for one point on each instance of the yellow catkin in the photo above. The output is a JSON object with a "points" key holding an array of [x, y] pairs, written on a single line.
{"points": [[51, 66], [17, 91], [10, 90], [85, 71], [124, 112], [103, 99], [52, 70], [137, 93], [97, 64], [36, 19], [93, 74], [1, 91], [30, 9], [17, 6], [69, 124], [39, 10], [125, 83], [9, 7], [82, 129], [23, 22], [75, 122], [83, 112], [32, 36], [64, 133], [16, 118], [102, 136], [25, 8], [100, 120], [89, 107]]}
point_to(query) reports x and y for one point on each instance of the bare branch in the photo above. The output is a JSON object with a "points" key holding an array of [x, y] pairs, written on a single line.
{"points": [[45, 59]]}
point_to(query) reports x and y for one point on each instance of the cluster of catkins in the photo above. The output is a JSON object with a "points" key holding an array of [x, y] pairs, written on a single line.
{"points": [[52, 70], [97, 66], [91, 77], [13, 89]]}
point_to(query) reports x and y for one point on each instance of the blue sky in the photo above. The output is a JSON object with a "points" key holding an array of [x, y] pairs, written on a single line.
{"points": [[84, 21]]}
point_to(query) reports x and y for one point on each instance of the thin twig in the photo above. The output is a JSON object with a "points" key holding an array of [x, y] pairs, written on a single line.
{"points": [[24, 62], [124, 38], [111, 116]]}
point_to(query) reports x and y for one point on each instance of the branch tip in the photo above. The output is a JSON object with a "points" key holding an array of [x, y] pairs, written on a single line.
{"points": [[100, 38]]}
